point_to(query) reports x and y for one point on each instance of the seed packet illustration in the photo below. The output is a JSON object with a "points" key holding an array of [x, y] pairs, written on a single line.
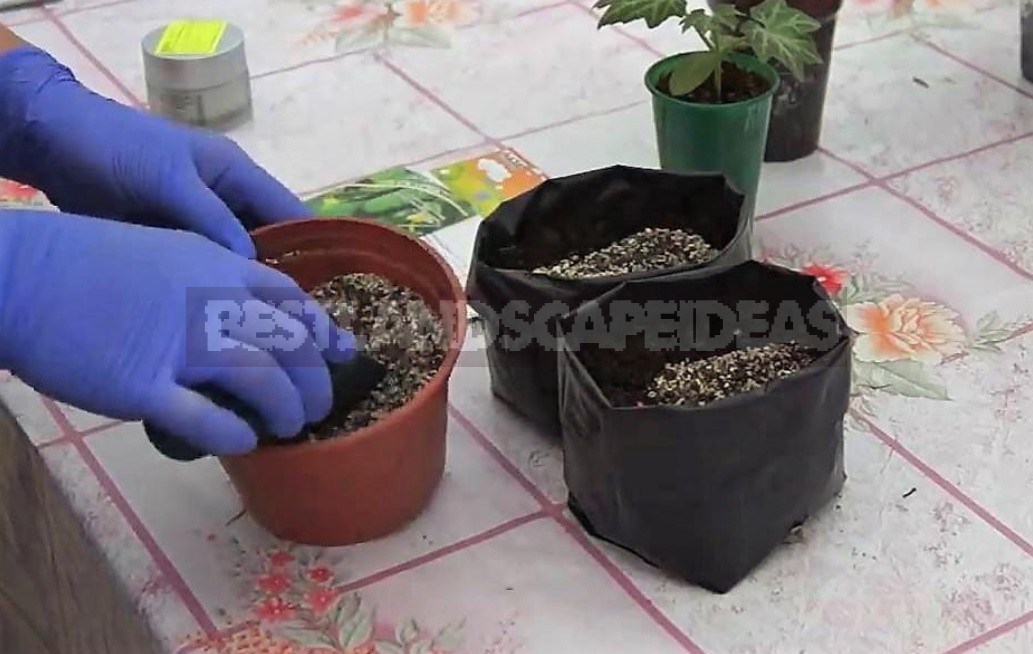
{"points": [[400, 197], [486, 181]]}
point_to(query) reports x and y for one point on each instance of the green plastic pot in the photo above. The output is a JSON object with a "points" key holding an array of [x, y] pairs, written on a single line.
{"points": [[725, 138]]}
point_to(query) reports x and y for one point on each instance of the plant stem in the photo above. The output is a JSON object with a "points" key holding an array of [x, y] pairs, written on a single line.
{"points": [[703, 36], [717, 77]]}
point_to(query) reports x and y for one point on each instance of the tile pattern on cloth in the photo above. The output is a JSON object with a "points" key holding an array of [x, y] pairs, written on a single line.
{"points": [[927, 551], [74, 6], [538, 457], [986, 195], [991, 43], [15, 17], [977, 440], [481, 603], [479, 83], [881, 121], [876, 572], [369, 119], [1017, 641], [472, 499]]}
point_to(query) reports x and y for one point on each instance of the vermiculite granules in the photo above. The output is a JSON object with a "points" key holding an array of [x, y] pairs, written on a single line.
{"points": [[650, 249], [704, 381], [398, 329]]}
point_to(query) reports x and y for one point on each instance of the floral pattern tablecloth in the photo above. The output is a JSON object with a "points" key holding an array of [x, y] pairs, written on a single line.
{"points": [[915, 215]]}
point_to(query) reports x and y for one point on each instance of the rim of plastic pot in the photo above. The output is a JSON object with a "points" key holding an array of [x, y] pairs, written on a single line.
{"points": [[392, 419], [748, 62], [820, 10], [846, 337]]}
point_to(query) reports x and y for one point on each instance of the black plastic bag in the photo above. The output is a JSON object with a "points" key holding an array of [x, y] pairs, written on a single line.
{"points": [[582, 212], [703, 492]]}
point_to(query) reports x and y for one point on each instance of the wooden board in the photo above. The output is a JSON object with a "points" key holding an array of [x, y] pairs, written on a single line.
{"points": [[57, 593]]}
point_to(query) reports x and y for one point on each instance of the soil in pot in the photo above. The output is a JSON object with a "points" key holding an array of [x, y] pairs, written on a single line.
{"points": [[737, 85], [398, 329], [707, 380], [649, 250], [641, 377]]}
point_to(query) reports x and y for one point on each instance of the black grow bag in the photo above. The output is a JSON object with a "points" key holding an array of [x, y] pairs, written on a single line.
{"points": [[1026, 39], [590, 210], [705, 493]]}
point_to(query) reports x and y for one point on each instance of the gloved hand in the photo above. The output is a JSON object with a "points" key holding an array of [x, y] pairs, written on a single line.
{"points": [[94, 156], [123, 321]]}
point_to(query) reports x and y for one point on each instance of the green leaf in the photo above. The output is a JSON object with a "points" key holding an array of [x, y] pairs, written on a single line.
{"points": [[849, 291], [356, 630], [778, 16], [386, 647], [305, 636], [346, 609], [781, 33], [357, 38], [724, 42], [692, 71], [727, 16], [905, 378], [407, 632], [853, 423], [988, 322], [422, 647], [654, 12], [425, 36], [698, 20], [988, 346], [450, 638], [990, 331], [858, 289]]}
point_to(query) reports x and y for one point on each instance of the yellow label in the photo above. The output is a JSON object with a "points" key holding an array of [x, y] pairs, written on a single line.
{"points": [[191, 38]]}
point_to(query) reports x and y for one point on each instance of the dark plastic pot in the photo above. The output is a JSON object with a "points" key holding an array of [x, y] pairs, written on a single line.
{"points": [[725, 138], [704, 492], [1026, 43], [601, 206], [798, 106], [372, 482]]}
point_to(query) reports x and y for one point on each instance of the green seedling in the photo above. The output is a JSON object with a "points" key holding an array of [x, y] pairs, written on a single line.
{"points": [[771, 31]]}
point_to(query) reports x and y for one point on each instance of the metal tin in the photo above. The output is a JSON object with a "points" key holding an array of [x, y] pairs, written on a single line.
{"points": [[212, 91]]}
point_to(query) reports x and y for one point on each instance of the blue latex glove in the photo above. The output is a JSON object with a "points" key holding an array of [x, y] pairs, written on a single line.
{"points": [[108, 317], [94, 156]]}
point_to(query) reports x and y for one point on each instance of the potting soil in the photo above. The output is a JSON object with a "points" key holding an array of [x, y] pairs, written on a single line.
{"points": [[737, 85], [651, 249], [703, 381], [584, 213], [397, 328]]}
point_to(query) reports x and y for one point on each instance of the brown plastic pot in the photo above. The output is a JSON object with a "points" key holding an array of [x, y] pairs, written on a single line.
{"points": [[370, 483]]}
